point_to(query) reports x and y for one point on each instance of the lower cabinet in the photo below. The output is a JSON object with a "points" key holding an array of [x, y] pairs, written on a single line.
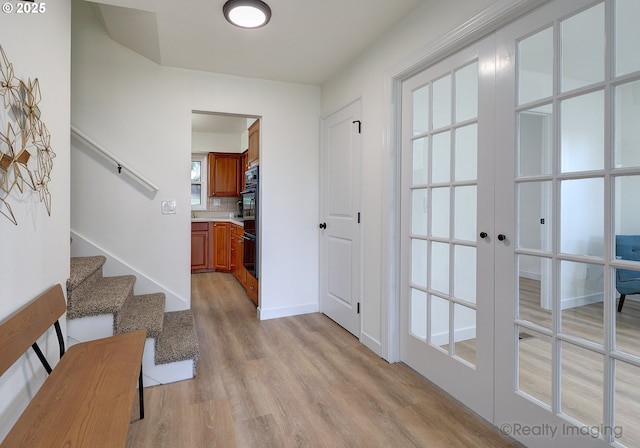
{"points": [[199, 246], [252, 288], [220, 243]]}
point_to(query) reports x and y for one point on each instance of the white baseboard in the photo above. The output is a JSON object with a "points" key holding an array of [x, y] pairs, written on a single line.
{"points": [[372, 344], [462, 334], [82, 247], [287, 311], [575, 302]]}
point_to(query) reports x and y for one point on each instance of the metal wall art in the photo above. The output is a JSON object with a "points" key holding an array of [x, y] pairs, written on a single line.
{"points": [[23, 135]]}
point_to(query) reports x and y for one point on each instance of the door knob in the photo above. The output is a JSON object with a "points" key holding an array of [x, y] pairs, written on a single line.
{"points": [[323, 225], [483, 235], [502, 237]]}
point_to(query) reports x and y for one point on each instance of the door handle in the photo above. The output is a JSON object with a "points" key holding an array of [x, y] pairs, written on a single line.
{"points": [[323, 225], [502, 237], [483, 235]]}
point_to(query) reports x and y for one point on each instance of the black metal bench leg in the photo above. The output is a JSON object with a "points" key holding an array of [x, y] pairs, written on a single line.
{"points": [[141, 394]]}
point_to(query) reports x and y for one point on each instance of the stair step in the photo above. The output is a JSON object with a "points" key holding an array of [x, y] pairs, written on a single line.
{"points": [[83, 268], [107, 296], [178, 341], [143, 312]]}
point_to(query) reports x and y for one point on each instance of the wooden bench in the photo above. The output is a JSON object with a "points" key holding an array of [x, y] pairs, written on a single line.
{"points": [[87, 399]]}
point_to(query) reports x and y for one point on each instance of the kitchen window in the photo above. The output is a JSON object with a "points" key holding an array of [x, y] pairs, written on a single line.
{"points": [[198, 182]]}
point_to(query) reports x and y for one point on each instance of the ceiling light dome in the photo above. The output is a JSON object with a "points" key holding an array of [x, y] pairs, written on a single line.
{"points": [[247, 13]]}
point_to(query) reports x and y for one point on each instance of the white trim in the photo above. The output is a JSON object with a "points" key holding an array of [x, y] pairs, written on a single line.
{"points": [[484, 23], [372, 344], [287, 311]]}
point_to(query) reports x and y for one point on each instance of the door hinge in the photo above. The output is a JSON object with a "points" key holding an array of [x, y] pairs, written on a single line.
{"points": [[358, 307], [359, 126], [358, 217]]}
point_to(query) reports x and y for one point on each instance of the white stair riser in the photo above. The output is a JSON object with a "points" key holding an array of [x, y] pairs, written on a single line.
{"points": [[90, 327]]}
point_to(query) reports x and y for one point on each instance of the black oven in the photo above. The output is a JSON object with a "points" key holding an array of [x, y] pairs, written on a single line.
{"points": [[250, 214]]}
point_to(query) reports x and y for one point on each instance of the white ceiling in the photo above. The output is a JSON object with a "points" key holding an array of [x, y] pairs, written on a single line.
{"points": [[307, 41]]}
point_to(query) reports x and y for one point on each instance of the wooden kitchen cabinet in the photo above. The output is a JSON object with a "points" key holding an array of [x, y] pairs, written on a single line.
{"points": [[225, 175], [199, 246], [220, 244], [252, 288], [237, 246], [253, 153]]}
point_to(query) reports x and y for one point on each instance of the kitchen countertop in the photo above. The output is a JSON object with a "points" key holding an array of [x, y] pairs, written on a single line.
{"points": [[237, 221]]}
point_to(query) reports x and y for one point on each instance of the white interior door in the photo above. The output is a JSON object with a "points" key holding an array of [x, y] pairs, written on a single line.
{"points": [[340, 268], [447, 225], [568, 365]]}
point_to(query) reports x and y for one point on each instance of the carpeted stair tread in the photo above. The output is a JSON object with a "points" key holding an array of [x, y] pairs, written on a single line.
{"points": [[83, 267], [107, 296], [143, 312], [178, 341]]}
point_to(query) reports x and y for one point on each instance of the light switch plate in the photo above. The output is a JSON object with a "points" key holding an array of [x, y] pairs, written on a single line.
{"points": [[168, 207], [216, 202]]}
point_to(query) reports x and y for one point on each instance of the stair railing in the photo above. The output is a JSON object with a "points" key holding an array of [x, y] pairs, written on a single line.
{"points": [[99, 149]]}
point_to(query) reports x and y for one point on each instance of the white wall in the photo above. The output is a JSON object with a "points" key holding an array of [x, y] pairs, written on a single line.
{"points": [[366, 77], [142, 113], [203, 142], [35, 254]]}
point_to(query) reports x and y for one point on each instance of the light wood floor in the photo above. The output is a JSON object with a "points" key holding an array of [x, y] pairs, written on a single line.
{"points": [[295, 382]]}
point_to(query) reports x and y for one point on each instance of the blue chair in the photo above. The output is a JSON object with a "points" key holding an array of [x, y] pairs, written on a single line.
{"points": [[627, 281]]}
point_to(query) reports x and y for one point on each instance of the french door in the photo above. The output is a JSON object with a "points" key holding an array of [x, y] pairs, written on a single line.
{"points": [[557, 187], [447, 183]]}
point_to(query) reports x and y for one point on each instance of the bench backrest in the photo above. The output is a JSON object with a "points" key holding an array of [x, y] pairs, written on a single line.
{"points": [[20, 330]]}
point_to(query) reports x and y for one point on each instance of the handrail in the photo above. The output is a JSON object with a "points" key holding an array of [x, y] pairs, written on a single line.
{"points": [[107, 155]]}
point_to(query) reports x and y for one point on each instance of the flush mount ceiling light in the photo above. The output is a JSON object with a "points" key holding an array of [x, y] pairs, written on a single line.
{"points": [[247, 13]]}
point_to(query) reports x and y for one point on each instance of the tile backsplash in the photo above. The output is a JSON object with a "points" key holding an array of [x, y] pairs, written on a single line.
{"points": [[226, 204]]}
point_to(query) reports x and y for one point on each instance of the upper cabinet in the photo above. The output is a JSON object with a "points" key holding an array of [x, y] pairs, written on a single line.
{"points": [[225, 175], [253, 153]]}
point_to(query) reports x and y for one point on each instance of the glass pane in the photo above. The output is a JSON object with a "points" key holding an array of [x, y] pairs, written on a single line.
{"points": [[467, 92], [196, 171], [421, 110], [582, 217], [442, 102], [420, 161], [582, 384], [581, 300], [441, 157], [464, 273], [534, 290], [439, 321], [535, 66], [466, 153], [627, 404], [582, 133], [535, 148], [628, 36], [440, 267], [464, 324], [583, 40], [195, 194], [627, 282], [440, 212], [627, 210], [419, 262], [535, 215], [627, 117], [534, 364], [419, 212], [465, 218], [419, 314]]}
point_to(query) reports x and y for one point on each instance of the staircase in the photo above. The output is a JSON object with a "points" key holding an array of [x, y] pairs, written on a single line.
{"points": [[99, 306]]}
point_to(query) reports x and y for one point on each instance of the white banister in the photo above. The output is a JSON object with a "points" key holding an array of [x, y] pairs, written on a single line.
{"points": [[107, 155]]}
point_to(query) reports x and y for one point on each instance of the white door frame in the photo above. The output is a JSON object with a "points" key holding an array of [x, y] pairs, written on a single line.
{"points": [[487, 21]]}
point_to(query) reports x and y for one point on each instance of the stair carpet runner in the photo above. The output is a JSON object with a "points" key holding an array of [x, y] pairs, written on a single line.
{"points": [[91, 294]]}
